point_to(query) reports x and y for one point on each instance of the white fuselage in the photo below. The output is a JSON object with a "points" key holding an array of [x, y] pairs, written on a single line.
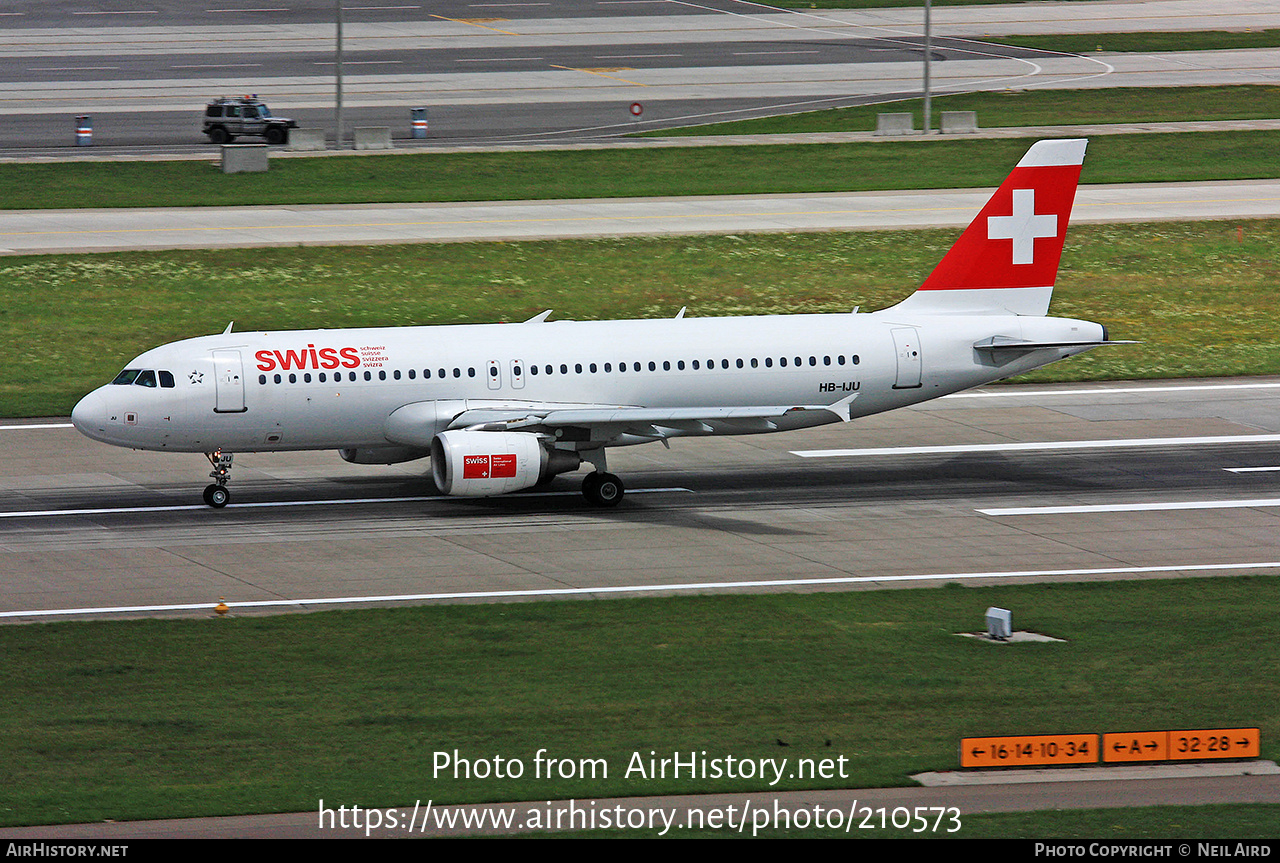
{"points": [[335, 389]]}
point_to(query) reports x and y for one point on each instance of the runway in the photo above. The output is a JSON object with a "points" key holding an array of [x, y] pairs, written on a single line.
{"points": [[92, 531], [53, 231], [533, 71]]}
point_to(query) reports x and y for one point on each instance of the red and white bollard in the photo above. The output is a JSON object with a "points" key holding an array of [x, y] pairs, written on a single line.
{"points": [[84, 131]]}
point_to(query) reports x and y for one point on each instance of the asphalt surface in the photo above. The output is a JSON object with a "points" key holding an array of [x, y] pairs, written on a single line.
{"points": [[54, 231], [1155, 490], [492, 72]]}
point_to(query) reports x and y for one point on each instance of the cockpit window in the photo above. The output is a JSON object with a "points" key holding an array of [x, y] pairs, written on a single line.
{"points": [[146, 378], [166, 379], [126, 377]]}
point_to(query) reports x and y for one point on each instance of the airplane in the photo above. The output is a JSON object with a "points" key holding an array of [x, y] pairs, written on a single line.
{"points": [[503, 407]]}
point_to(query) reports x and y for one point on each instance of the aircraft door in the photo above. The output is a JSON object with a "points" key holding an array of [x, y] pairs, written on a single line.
{"points": [[228, 382], [906, 342], [493, 372], [517, 374]]}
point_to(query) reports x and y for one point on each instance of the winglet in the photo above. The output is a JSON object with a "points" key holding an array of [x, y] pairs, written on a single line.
{"points": [[1006, 261]]}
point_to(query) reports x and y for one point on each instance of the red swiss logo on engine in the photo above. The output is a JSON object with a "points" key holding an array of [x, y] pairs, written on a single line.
{"points": [[485, 467]]}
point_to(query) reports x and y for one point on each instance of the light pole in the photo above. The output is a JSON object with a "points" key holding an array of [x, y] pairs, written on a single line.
{"points": [[928, 50], [338, 72]]}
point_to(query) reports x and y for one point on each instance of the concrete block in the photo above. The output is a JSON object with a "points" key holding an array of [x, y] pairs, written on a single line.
{"points": [[306, 139], [373, 138], [243, 158], [895, 124], [959, 122]]}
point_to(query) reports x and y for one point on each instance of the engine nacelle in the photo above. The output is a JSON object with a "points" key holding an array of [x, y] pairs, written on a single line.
{"points": [[483, 463], [383, 454]]}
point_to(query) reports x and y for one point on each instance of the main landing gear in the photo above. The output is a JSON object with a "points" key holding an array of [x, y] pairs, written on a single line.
{"points": [[602, 489], [216, 495]]}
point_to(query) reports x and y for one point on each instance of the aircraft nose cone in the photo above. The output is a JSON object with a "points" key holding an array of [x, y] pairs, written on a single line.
{"points": [[89, 416]]}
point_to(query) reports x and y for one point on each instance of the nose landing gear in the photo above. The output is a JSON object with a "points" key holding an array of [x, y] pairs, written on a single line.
{"points": [[216, 495]]}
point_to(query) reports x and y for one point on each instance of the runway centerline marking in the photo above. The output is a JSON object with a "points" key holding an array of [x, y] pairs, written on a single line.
{"points": [[1250, 469], [126, 510], [1034, 446], [1132, 507], [645, 588]]}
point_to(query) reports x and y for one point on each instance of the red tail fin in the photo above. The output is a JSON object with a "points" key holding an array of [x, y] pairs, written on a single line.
{"points": [[1006, 261]]}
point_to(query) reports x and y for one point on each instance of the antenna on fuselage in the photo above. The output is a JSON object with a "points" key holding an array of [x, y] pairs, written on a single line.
{"points": [[680, 314], [228, 329]]}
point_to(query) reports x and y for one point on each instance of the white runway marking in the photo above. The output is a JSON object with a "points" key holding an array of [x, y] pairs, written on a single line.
{"points": [[1027, 446], [1250, 469], [1133, 507], [1102, 391], [126, 510], [644, 588], [37, 426]]}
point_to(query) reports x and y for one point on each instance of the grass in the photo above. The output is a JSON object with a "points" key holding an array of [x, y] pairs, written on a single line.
{"points": [[1028, 108], [938, 163], [1201, 302], [1083, 43], [153, 718]]}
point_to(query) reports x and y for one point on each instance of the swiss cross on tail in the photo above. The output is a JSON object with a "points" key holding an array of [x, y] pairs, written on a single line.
{"points": [[1007, 259]]}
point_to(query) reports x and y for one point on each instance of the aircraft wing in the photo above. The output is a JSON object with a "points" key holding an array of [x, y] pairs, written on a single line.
{"points": [[609, 422]]}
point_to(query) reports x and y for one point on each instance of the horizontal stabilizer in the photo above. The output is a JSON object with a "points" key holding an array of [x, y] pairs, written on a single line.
{"points": [[1005, 343]]}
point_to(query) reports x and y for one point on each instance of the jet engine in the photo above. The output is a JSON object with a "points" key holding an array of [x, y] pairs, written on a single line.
{"points": [[483, 463]]}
